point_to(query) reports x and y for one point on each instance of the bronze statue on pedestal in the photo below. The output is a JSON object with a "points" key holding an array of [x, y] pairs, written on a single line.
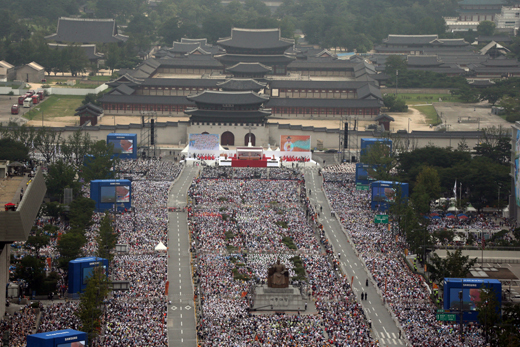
{"points": [[278, 276]]}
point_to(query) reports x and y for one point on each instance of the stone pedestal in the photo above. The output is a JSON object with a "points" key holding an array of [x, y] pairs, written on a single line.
{"points": [[278, 299]]}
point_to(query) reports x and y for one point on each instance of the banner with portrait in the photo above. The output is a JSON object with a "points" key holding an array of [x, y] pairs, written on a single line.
{"points": [[295, 143]]}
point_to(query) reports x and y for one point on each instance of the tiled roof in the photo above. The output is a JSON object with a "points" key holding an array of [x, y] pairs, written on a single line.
{"points": [[257, 116], [79, 30], [369, 91], [237, 84], [249, 68], [230, 98], [89, 108], [288, 84], [90, 50], [319, 103], [483, 2], [6, 65], [409, 39], [146, 99], [423, 60], [255, 39], [35, 66], [253, 58]]}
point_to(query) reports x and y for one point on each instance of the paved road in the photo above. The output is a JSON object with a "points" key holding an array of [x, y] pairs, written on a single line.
{"points": [[181, 312], [383, 327]]}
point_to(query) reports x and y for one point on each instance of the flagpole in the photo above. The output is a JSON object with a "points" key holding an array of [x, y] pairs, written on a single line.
{"points": [[460, 195]]}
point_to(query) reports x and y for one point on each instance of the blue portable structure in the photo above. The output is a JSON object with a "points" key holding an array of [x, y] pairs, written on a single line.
{"points": [[80, 270], [87, 159], [470, 288], [58, 338], [367, 142], [125, 145], [106, 193], [362, 175], [384, 193]]}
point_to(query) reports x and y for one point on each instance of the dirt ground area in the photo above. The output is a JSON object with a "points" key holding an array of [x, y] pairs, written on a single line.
{"points": [[502, 273], [10, 189]]}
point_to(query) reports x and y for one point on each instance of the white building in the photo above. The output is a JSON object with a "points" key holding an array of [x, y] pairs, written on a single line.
{"points": [[509, 18]]}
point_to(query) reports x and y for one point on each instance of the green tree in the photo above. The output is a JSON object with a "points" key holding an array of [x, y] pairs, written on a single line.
{"points": [[75, 59], [488, 309], [75, 147], [69, 246], [453, 265], [37, 241], [59, 176], [495, 144], [393, 63], [91, 302], [100, 163], [106, 238], [45, 142], [394, 104], [80, 213], [31, 269], [52, 209], [510, 336], [492, 94], [486, 28], [427, 188], [381, 160], [13, 150]]}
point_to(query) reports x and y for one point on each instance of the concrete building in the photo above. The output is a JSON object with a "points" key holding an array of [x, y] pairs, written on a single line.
{"points": [[85, 31], [31, 72], [16, 225], [7, 71], [508, 19], [479, 10]]}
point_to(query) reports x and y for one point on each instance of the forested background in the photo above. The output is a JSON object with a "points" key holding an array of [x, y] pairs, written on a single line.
{"points": [[348, 24]]}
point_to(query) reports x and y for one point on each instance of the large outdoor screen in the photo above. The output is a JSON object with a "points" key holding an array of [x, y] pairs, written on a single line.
{"points": [[108, 194], [295, 143], [470, 299], [122, 145], [72, 344], [517, 168], [204, 142], [383, 194]]}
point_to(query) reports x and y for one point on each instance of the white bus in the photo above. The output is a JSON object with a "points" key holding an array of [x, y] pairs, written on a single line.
{"points": [[27, 102]]}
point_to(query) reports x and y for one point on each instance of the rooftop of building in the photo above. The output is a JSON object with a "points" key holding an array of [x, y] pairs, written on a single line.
{"points": [[255, 39], [81, 30]]}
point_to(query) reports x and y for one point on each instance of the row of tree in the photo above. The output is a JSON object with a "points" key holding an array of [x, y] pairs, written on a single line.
{"points": [[432, 171]]}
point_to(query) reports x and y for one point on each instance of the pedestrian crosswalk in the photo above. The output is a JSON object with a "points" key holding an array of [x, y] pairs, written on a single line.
{"points": [[388, 339]]}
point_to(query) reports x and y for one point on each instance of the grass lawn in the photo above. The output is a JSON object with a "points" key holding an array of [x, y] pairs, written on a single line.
{"points": [[430, 114], [100, 78], [55, 106], [414, 99]]}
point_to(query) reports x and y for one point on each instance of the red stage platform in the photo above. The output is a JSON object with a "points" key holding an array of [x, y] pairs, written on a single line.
{"points": [[248, 163]]}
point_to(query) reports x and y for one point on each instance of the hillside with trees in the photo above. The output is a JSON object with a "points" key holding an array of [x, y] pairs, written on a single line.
{"points": [[347, 24]]}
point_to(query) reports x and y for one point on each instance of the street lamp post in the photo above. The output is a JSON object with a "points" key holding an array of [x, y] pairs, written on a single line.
{"points": [[396, 80], [461, 332]]}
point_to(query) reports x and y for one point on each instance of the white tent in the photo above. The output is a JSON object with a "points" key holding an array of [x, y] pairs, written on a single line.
{"points": [[161, 247], [470, 209], [452, 208], [505, 212]]}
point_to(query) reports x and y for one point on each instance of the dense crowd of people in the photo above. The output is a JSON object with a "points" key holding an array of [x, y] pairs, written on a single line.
{"points": [[134, 317], [404, 291], [240, 228]]}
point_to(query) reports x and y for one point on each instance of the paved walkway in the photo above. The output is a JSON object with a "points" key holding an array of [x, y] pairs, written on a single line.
{"points": [[384, 328], [181, 311]]}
